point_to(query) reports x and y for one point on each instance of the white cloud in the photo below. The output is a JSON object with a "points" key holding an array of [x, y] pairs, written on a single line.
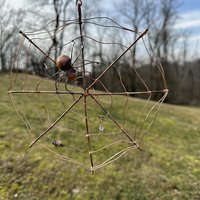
{"points": [[16, 3], [188, 20], [188, 24]]}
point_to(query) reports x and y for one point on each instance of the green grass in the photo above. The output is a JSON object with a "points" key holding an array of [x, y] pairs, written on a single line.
{"points": [[167, 168]]}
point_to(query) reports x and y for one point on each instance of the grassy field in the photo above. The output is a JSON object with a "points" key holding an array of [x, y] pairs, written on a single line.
{"points": [[168, 168]]}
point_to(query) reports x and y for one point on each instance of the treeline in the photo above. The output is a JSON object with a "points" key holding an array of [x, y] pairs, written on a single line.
{"points": [[159, 16], [183, 81]]}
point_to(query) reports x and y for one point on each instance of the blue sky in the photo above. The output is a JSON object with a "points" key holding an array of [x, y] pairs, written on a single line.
{"points": [[189, 21], [190, 5], [190, 15]]}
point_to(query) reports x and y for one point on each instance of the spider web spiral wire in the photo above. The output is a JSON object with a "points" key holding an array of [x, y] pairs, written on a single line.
{"points": [[72, 119]]}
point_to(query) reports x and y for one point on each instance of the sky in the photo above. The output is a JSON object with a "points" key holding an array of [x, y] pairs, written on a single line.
{"points": [[189, 19]]}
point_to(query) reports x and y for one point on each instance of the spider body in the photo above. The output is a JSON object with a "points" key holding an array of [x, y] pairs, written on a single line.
{"points": [[71, 74], [63, 63]]}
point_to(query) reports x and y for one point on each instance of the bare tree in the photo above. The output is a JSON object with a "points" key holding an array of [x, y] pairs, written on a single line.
{"points": [[134, 13], [10, 21], [60, 12], [57, 14]]}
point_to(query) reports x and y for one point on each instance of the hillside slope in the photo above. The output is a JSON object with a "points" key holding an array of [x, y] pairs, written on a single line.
{"points": [[167, 168]]}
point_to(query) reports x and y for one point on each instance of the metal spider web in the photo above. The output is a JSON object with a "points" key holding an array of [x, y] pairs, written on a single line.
{"points": [[84, 121]]}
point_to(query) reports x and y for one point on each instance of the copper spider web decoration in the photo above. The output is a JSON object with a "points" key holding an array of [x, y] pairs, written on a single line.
{"points": [[69, 133]]}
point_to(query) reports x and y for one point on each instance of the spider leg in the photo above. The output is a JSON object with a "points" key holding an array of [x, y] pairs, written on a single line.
{"points": [[72, 49], [49, 70], [78, 82], [53, 75], [57, 82], [66, 80], [47, 78], [46, 67], [76, 59]]}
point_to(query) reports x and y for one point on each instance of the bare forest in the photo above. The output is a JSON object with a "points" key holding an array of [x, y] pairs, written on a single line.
{"points": [[182, 74]]}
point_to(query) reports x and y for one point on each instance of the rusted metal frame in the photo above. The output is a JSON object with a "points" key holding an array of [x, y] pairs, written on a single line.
{"points": [[54, 123], [116, 60], [79, 4], [35, 45], [116, 123]]}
